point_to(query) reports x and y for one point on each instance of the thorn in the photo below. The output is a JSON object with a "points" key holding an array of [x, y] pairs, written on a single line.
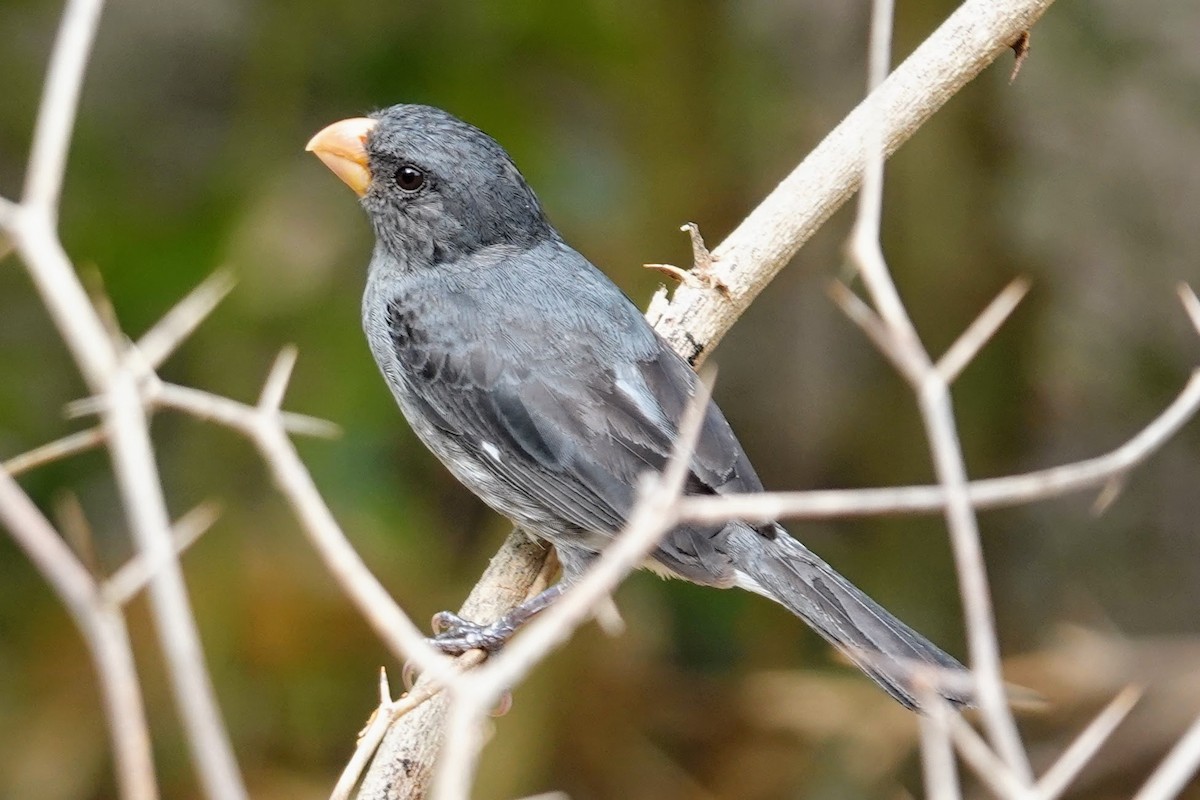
{"points": [[1108, 494], [72, 520], [503, 705], [608, 617], [1020, 49], [680, 275], [304, 425], [1191, 304], [166, 335], [703, 274], [409, 675], [385, 689], [84, 407], [277, 381], [60, 448], [93, 282], [981, 330], [131, 578]]}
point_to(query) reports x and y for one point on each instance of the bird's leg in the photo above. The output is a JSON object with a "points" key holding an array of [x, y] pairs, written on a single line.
{"points": [[454, 635]]}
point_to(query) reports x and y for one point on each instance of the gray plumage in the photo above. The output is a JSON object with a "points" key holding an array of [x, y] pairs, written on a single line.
{"points": [[543, 389]]}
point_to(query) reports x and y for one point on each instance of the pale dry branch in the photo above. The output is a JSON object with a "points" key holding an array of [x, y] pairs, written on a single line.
{"points": [[1176, 769], [1059, 776], [158, 343], [1191, 304], [979, 31], [980, 332], [60, 101], [32, 229], [938, 770], [65, 447], [132, 577], [264, 426], [232, 414], [983, 494], [873, 326], [933, 399], [989, 767], [103, 628]]}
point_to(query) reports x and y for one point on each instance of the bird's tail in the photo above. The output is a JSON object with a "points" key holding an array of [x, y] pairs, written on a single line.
{"points": [[887, 650]]}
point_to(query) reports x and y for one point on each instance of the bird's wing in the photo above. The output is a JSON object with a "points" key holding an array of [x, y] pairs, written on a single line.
{"points": [[571, 428]]}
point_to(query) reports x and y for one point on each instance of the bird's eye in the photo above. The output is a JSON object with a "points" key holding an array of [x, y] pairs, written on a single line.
{"points": [[409, 178]]}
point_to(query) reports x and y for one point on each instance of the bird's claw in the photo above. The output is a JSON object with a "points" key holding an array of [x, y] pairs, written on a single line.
{"points": [[454, 635]]}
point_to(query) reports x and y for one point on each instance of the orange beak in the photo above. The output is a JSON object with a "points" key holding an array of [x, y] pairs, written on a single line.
{"points": [[342, 147]]}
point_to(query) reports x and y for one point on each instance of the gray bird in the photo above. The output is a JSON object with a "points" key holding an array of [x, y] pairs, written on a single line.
{"points": [[541, 387]]}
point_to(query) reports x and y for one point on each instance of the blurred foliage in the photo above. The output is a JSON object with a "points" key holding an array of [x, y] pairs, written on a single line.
{"points": [[629, 119]]}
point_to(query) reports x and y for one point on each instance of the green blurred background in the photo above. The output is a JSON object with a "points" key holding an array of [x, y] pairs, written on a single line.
{"points": [[628, 119]]}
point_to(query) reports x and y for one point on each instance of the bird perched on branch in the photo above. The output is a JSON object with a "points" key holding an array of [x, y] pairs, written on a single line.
{"points": [[541, 387]]}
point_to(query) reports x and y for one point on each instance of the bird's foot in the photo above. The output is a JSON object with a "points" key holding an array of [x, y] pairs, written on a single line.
{"points": [[454, 635]]}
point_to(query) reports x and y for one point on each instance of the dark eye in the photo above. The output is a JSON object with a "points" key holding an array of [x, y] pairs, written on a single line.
{"points": [[409, 178]]}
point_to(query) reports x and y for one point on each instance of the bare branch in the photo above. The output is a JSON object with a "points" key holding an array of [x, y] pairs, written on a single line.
{"points": [[970, 39], [998, 775], [131, 578], [874, 327], [271, 398], [933, 399], [986, 493], [60, 100], [1191, 304], [937, 754], [239, 416], [968, 345], [1056, 779], [58, 449], [104, 632], [1176, 769], [33, 231], [265, 428]]}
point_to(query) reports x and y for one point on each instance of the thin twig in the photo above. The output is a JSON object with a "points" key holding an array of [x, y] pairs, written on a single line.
{"points": [[158, 343], [264, 426], [933, 399], [67, 446], [979, 332], [938, 769], [132, 577], [241, 417], [1176, 769], [873, 326], [987, 493], [60, 101], [33, 231], [1055, 780], [1191, 304], [104, 632]]}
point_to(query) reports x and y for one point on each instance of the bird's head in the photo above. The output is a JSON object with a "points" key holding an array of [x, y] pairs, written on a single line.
{"points": [[436, 189]]}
